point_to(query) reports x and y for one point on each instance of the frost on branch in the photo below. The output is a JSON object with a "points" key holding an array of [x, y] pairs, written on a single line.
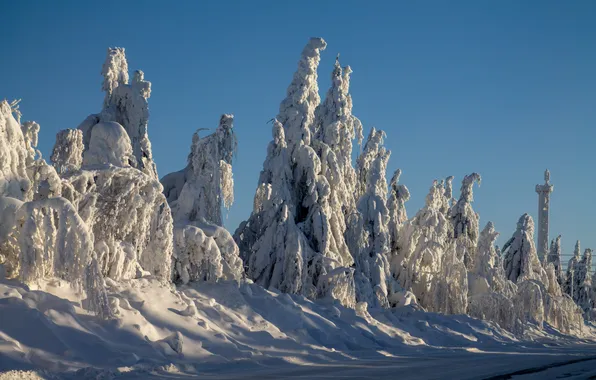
{"points": [[203, 250], [464, 219], [67, 154], [520, 259], [126, 104], [427, 264]]}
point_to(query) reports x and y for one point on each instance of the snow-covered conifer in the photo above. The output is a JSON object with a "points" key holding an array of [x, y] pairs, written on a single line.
{"points": [[520, 258], [426, 263], [465, 220], [570, 287], [374, 282]]}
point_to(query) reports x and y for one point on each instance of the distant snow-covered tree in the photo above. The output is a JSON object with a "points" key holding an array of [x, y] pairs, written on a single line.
{"points": [[570, 287], [520, 257], [465, 220], [554, 257]]}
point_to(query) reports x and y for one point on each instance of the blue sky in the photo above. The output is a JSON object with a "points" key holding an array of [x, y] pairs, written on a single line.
{"points": [[504, 88]]}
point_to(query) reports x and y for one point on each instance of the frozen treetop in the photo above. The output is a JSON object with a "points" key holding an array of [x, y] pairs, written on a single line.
{"points": [[114, 72], [296, 111], [126, 104]]}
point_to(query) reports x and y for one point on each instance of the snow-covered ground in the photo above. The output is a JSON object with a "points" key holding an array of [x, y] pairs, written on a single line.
{"points": [[229, 330]]}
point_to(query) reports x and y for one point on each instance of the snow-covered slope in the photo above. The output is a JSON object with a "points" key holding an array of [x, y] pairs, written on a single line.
{"points": [[206, 327]]}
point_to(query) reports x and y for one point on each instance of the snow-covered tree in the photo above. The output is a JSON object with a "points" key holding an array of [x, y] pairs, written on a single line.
{"points": [[464, 219], [199, 191], [294, 239], [520, 258], [427, 263], [203, 249], [14, 156], [583, 281], [336, 127], [126, 104], [570, 287], [374, 282], [67, 154], [371, 149], [554, 257], [137, 237]]}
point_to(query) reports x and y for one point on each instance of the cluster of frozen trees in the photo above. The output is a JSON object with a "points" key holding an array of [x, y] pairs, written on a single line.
{"points": [[321, 226], [100, 211], [324, 228]]}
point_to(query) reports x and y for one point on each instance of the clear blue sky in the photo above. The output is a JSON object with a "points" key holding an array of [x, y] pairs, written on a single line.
{"points": [[505, 88]]}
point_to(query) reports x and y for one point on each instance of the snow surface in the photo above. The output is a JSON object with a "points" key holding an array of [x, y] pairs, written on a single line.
{"points": [[224, 330]]}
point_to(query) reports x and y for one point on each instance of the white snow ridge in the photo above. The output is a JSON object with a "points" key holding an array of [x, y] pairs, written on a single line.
{"points": [[108, 272]]}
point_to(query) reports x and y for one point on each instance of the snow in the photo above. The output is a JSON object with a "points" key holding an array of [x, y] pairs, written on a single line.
{"points": [[237, 328]]}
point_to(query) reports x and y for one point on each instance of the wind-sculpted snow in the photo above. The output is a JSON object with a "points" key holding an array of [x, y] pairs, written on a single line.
{"points": [[126, 104]]}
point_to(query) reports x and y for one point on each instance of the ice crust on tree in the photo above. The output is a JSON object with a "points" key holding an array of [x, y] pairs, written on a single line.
{"points": [[109, 145], [203, 249], [126, 104]]}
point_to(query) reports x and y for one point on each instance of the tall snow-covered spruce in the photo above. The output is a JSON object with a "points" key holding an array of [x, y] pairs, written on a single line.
{"points": [[295, 238]]}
